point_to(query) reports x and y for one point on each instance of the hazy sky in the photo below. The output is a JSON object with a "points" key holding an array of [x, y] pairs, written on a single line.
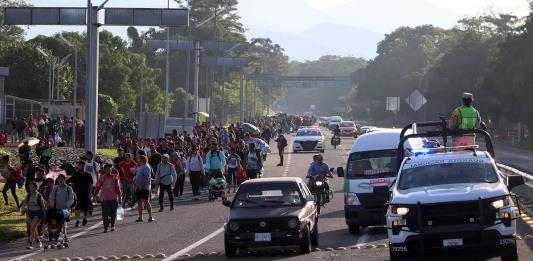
{"points": [[297, 24]]}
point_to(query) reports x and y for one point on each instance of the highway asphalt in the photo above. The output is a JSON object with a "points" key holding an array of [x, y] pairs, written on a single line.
{"points": [[193, 231]]}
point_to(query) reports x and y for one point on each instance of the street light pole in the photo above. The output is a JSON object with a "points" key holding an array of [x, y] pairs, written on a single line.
{"points": [[167, 68], [75, 89]]}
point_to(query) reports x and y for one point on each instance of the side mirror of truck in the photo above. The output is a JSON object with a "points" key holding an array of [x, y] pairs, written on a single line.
{"points": [[340, 172], [514, 181]]}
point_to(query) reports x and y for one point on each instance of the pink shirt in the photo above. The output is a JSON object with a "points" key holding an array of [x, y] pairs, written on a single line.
{"points": [[109, 187]]}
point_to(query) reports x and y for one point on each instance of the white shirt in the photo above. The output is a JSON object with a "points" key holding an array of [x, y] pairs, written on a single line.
{"points": [[92, 168], [194, 163]]}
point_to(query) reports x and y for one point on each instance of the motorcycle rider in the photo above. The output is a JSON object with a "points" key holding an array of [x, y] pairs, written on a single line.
{"points": [[318, 167], [336, 135]]}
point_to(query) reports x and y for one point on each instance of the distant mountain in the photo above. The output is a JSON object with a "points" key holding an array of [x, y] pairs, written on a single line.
{"points": [[324, 39]]}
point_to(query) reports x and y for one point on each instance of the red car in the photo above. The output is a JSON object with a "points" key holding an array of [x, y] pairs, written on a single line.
{"points": [[348, 128]]}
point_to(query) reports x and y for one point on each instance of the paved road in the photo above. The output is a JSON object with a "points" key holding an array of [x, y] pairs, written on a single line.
{"points": [[193, 230]]}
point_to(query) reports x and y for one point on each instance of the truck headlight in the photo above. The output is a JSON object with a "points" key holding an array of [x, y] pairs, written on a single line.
{"points": [[500, 203], [351, 199], [234, 226], [402, 211]]}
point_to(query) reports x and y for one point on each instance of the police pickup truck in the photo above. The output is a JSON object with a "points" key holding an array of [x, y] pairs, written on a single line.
{"points": [[448, 199]]}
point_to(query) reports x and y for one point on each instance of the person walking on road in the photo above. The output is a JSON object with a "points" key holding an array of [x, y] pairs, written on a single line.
{"points": [[233, 163], [143, 185], [282, 143], [33, 206], [465, 118], [215, 162], [82, 183], [165, 179], [109, 184], [9, 173], [62, 198], [126, 181], [180, 164], [253, 162], [195, 168]]}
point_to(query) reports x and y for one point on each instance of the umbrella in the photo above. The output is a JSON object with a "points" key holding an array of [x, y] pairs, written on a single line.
{"points": [[201, 113], [260, 144], [31, 142], [247, 127], [54, 173]]}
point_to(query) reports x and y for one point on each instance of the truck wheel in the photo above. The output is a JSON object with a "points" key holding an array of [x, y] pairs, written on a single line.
{"points": [[512, 254], [314, 236], [305, 244], [230, 250], [354, 229]]}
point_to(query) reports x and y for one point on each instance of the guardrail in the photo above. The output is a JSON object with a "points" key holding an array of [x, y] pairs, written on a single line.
{"points": [[525, 191]]}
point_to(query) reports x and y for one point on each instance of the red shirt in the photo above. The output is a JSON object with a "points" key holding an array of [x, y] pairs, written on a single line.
{"points": [[126, 169]]}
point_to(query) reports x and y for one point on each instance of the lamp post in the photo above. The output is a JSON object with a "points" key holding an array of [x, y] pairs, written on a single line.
{"points": [[49, 60], [75, 89]]}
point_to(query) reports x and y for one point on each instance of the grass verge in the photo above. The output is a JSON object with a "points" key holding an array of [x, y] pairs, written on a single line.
{"points": [[108, 152], [12, 223]]}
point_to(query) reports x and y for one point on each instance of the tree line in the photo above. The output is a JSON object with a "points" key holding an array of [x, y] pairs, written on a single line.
{"points": [[126, 64], [488, 55]]}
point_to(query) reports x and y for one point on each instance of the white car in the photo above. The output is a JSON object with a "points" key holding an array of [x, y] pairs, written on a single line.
{"points": [[449, 200], [308, 139]]}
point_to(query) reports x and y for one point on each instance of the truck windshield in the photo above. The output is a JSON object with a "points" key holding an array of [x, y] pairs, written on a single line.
{"points": [[447, 173], [372, 164]]}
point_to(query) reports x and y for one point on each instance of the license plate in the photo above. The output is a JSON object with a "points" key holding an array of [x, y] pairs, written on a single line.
{"points": [[263, 237], [452, 242]]}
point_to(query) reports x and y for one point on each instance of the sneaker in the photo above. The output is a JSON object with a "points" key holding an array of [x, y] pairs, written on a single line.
{"points": [[171, 208], [39, 245], [30, 246], [77, 223], [105, 230], [112, 228], [84, 222], [139, 220], [161, 210], [151, 219]]}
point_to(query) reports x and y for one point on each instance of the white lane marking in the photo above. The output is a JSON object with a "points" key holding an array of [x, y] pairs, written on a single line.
{"points": [[194, 245], [362, 240]]}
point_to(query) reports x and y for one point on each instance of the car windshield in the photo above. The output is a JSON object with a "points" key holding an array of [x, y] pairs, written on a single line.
{"points": [[347, 124], [372, 164], [268, 196], [428, 174], [308, 133]]}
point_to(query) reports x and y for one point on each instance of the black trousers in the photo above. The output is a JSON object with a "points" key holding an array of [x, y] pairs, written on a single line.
{"points": [[109, 212], [178, 189], [10, 185], [280, 151], [196, 179], [168, 189]]}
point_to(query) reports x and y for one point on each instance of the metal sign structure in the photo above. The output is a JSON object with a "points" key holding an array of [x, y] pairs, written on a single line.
{"points": [[236, 62], [169, 17], [416, 100], [393, 104]]}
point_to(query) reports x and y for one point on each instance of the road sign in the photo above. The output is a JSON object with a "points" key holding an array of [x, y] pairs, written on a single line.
{"points": [[225, 46], [310, 84], [260, 77], [173, 17], [173, 44], [238, 62], [45, 16], [393, 104], [416, 100]]}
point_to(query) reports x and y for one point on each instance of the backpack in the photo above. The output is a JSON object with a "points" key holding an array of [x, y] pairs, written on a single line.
{"points": [[284, 142]]}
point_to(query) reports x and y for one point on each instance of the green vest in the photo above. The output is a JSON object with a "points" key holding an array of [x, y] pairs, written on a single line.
{"points": [[468, 119]]}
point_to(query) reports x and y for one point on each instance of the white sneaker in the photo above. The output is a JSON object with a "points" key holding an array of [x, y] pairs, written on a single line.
{"points": [[39, 245], [29, 246]]}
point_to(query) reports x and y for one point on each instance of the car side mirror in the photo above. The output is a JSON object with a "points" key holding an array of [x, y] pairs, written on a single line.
{"points": [[340, 172], [309, 198], [514, 181], [226, 203]]}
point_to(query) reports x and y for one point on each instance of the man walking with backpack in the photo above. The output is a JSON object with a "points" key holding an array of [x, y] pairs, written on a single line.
{"points": [[282, 143], [165, 178], [215, 162]]}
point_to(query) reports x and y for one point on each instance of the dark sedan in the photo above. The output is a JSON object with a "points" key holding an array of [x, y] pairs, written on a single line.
{"points": [[271, 212]]}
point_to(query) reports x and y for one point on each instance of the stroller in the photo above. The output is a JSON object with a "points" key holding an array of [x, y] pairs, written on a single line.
{"points": [[56, 221], [217, 188]]}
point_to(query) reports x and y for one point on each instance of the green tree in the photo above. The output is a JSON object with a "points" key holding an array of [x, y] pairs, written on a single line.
{"points": [[11, 32], [107, 107]]}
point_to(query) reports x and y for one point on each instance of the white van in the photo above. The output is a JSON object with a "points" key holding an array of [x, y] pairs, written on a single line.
{"points": [[370, 171]]}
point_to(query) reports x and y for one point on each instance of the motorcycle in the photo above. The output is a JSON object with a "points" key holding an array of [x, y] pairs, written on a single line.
{"points": [[317, 185], [335, 141]]}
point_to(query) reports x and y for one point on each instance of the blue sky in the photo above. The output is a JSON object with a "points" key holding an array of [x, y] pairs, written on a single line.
{"points": [[308, 29]]}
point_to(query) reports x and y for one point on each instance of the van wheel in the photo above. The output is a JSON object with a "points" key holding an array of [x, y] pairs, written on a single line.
{"points": [[305, 244], [354, 229], [512, 254]]}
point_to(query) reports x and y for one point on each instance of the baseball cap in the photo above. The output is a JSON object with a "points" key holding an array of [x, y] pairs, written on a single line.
{"points": [[166, 156], [468, 95]]}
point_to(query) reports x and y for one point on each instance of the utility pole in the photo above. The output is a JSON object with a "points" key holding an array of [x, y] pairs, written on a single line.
{"points": [[223, 104], [167, 68], [91, 91], [241, 94], [246, 100], [255, 98], [196, 75], [75, 97]]}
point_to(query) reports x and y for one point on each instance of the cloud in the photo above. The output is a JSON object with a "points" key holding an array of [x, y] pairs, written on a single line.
{"points": [[325, 4], [476, 7]]}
